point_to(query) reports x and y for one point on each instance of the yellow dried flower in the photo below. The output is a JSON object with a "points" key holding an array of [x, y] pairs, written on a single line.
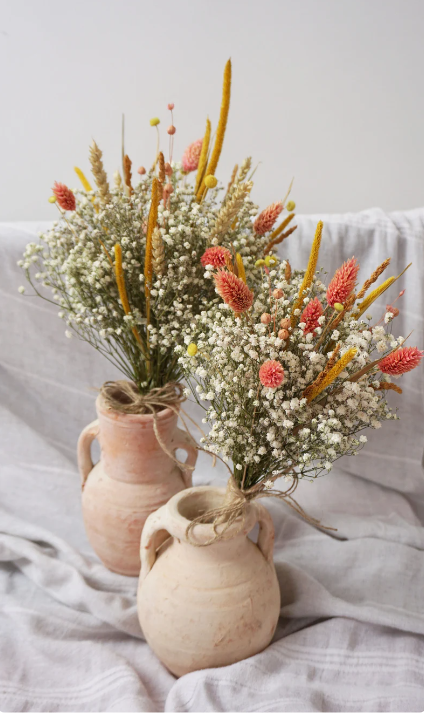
{"points": [[155, 121], [85, 183], [310, 271], [291, 205], [220, 132], [203, 158], [333, 373], [363, 306], [271, 260], [240, 268], [259, 263], [211, 181], [52, 199], [338, 307], [192, 349]]}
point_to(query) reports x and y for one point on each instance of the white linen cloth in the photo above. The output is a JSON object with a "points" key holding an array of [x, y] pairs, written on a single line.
{"points": [[351, 632]]}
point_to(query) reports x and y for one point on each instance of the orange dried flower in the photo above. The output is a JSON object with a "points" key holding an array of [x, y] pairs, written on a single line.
{"points": [[401, 361], [233, 291], [343, 282], [64, 196], [311, 314], [271, 374], [215, 256], [190, 159], [265, 220]]}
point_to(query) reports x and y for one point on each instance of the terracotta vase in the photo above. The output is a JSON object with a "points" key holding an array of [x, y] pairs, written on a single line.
{"points": [[132, 479], [202, 607]]}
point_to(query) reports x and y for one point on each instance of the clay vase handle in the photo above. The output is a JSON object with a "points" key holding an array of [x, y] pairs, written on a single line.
{"points": [[182, 440], [85, 464], [150, 541], [266, 532]]}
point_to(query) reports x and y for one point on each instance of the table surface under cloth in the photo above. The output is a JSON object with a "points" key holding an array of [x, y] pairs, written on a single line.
{"points": [[351, 632]]}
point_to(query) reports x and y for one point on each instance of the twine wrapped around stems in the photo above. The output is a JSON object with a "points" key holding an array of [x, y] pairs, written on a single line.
{"points": [[123, 396], [234, 507]]}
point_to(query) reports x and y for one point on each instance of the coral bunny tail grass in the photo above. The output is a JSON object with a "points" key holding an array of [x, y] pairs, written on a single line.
{"points": [[310, 270], [120, 281], [85, 183], [203, 158], [333, 373], [220, 132]]}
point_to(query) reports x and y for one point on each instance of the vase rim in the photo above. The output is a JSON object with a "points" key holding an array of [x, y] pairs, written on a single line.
{"points": [[113, 414], [203, 532]]}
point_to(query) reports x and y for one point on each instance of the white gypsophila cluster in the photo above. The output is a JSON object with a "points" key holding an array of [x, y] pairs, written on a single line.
{"points": [[75, 260], [266, 432]]}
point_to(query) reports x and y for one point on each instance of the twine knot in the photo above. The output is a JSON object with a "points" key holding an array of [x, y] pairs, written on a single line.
{"points": [[123, 396]]}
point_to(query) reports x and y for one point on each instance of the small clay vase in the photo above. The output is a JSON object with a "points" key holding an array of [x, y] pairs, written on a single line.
{"points": [[133, 478], [212, 605]]}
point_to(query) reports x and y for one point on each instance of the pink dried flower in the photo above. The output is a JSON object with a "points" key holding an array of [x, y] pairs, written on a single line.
{"points": [[265, 318], [171, 106], [267, 218], [401, 361], [141, 170], [64, 196], [393, 310], [310, 315], [271, 374], [233, 291], [190, 159], [343, 282], [171, 130], [215, 256]]}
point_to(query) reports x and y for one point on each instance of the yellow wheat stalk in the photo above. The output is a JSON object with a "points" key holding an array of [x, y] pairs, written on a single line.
{"points": [[310, 271], [151, 225], [120, 281], [374, 277], [229, 210], [203, 158], [240, 268], [363, 306], [231, 182], [244, 169], [85, 183], [281, 227], [158, 252], [332, 375], [220, 132], [99, 173], [321, 376]]}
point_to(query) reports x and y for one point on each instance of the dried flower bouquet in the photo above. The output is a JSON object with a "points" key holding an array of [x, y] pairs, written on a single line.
{"points": [[126, 262], [293, 374]]}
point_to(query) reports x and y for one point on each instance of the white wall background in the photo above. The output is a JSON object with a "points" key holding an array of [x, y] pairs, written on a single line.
{"points": [[328, 91]]}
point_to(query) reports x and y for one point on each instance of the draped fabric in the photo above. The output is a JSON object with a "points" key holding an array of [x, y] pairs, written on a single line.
{"points": [[351, 631]]}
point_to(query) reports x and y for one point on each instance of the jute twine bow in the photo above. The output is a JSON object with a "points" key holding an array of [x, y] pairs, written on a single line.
{"points": [[123, 396], [234, 507]]}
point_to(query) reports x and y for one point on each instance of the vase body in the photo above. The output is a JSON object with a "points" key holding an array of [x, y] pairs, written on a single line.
{"points": [[133, 478], [206, 606]]}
